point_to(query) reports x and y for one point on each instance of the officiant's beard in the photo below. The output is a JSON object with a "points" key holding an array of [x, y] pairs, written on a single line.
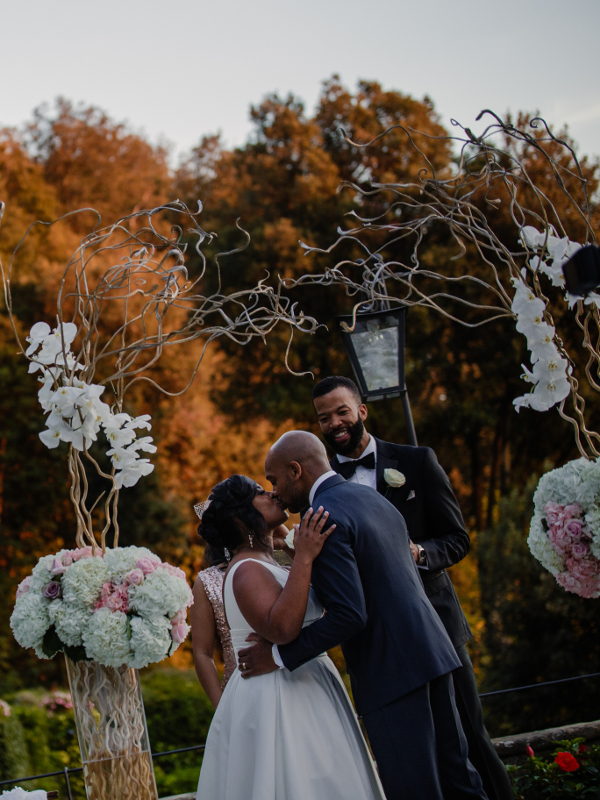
{"points": [[356, 432]]}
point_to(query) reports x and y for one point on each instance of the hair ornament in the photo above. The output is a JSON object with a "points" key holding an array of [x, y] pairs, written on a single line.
{"points": [[200, 508]]}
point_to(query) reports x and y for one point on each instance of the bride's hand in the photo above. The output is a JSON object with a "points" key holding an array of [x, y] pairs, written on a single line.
{"points": [[310, 536]]}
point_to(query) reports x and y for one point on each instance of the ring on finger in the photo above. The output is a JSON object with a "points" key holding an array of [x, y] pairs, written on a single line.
{"points": [[244, 666]]}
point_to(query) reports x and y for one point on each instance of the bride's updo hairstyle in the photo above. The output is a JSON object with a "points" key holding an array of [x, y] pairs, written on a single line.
{"points": [[230, 514]]}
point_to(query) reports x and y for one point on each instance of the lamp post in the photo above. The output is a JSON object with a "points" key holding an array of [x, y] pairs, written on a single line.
{"points": [[375, 347]]}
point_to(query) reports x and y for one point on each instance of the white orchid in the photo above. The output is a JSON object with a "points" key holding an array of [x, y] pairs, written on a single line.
{"points": [[130, 474], [76, 412], [36, 336]]}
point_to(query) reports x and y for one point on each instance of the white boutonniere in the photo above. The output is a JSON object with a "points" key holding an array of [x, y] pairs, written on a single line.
{"points": [[394, 479]]}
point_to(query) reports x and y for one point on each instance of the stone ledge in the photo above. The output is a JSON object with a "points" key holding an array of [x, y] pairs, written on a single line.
{"points": [[508, 746]]}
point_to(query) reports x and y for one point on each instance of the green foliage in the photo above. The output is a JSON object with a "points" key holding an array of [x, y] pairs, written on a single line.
{"points": [[543, 778], [14, 759], [535, 631], [179, 715]]}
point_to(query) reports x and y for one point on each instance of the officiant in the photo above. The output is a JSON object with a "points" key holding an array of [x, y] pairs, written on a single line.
{"points": [[414, 482]]}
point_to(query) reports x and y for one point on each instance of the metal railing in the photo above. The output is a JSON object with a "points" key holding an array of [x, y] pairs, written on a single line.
{"points": [[71, 771]]}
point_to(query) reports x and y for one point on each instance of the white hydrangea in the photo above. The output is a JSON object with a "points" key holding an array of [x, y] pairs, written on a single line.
{"points": [[40, 574], [82, 582], [106, 638], [122, 560], [541, 546], [29, 620], [150, 640], [69, 621], [159, 594]]}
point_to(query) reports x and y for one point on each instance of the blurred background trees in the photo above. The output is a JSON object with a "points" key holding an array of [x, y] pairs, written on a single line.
{"points": [[284, 186]]}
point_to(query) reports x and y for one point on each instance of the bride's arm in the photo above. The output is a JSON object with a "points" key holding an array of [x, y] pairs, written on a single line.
{"points": [[203, 642], [274, 612]]}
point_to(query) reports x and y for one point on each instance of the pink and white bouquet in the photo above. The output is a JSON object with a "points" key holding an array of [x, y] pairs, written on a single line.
{"points": [[125, 606], [565, 529]]}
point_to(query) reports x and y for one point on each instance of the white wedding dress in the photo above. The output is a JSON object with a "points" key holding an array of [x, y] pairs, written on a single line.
{"points": [[285, 735]]}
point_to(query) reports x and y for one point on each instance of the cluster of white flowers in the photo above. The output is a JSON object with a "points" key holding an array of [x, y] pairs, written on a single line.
{"points": [[123, 607], [550, 369], [76, 414], [565, 529]]}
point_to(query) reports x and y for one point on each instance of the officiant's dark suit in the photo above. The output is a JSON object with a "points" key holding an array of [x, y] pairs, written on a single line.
{"points": [[434, 521], [397, 651]]}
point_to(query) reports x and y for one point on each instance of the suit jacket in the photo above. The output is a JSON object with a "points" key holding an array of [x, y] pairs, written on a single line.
{"points": [[434, 520], [365, 576]]}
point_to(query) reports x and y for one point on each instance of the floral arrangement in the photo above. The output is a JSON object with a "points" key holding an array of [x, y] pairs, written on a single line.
{"points": [[123, 606], [75, 412], [565, 529]]}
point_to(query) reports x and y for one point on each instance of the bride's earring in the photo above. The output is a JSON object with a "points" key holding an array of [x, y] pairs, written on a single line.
{"points": [[227, 554], [251, 537]]}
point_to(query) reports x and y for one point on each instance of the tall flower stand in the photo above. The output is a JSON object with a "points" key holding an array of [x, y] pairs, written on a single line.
{"points": [[112, 732]]}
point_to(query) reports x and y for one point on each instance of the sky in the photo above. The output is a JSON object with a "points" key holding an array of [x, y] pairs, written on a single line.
{"points": [[180, 69]]}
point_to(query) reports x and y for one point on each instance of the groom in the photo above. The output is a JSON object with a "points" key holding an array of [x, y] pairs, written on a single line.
{"points": [[398, 654]]}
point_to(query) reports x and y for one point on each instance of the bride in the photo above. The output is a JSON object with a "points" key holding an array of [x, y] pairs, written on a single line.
{"points": [[284, 735]]}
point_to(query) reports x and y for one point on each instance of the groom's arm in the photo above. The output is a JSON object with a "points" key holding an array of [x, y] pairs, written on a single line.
{"points": [[336, 579]]}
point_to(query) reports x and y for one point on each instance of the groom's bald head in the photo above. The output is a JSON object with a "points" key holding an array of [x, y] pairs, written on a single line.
{"points": [[293, 464]]}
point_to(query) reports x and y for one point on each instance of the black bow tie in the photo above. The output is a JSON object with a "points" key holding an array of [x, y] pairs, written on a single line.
{"points": [[347, 468]]}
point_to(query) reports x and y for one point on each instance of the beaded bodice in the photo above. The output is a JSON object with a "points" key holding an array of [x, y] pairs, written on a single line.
{"points": [[212, 580]]}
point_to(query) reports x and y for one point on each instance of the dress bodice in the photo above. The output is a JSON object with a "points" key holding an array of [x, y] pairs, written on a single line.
{"points": [[212, 580], [238, 625]]}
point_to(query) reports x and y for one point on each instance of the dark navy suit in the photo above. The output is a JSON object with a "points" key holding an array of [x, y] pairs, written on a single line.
{"points": [[434, 520], [398, 654]]}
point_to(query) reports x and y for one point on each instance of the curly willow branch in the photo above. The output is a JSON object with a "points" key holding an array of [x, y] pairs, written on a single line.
{"points": [[494, 170], [128, 289]]}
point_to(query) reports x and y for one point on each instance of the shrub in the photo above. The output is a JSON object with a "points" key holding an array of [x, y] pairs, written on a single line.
{"points": [[14, 760], [179, 715]]}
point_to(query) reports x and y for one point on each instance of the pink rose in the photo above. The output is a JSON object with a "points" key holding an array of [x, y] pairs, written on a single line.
{"points": [[83, 552], [148, 564], [23, 587], [561, 540], [136, 576], [580, 550], [67, 558], [174, 571], [179, 632], [52, 590], [553, 512], [180, 616], [574, 527], [574, 511]]}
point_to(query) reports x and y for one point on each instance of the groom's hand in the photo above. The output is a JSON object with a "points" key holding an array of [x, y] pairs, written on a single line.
{"points": [[258, 659]]}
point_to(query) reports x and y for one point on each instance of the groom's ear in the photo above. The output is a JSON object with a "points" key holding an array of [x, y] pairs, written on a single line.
{"points": [[296, 470]]}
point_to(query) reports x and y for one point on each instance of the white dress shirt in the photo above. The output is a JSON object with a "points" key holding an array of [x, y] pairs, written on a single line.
{"points": [[368, 477]]}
